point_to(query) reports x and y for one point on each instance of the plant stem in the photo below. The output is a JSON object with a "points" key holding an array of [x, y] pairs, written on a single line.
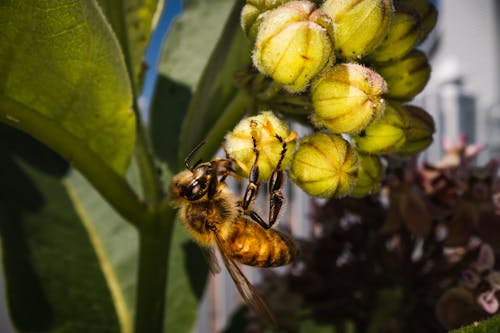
{"points": [[154, 249], [112, 186], [235, 110], [150, 182]]}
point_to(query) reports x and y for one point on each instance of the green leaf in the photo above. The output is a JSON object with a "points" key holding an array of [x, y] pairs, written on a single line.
{"points": [[133, 21], [198, 56], [114, 241], [53, 275], [186, 282], [64, 81], [486, 326]]}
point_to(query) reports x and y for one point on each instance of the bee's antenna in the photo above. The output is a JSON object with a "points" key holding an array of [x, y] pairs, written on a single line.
{"points": [[187, 160]]}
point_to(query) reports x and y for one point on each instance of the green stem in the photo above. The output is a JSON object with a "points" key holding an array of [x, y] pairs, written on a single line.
{"points": [[149, 177], [233, 113], [272, 90], [145, 162], [154, 249], [112, 186]]}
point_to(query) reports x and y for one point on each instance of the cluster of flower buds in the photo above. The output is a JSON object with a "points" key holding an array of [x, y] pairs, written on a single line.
{"points": [[345, 68]]}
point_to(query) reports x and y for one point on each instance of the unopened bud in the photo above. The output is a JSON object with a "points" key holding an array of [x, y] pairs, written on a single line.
{"points": [[457, 307], [403, 35], [360, 25], [386, 134], [428, 15], [406, 77], [370, 175], [266, 130], [250, 20], [294, 44], [347, 98], [325, 165], [420, 132]]}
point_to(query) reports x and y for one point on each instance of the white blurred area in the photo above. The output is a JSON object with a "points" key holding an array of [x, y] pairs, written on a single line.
{"points": [[463, 93]]}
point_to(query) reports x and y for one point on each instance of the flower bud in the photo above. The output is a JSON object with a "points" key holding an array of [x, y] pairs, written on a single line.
{"points": [[325, 165], [428, 15], [360, 25], [457, 307], [370, 174], [386, 134], [403, 35], [420, 132], [294, 44], [250, 12], [407, 76], [488, 301], [262, 128], [347, 98]]}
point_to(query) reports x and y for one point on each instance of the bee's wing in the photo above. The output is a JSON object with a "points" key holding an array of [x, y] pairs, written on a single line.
{"points": [[247, 291], [211, 259]]}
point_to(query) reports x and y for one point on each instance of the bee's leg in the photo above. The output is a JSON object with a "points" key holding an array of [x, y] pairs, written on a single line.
{"points": [[276, 197], [253, 182]]}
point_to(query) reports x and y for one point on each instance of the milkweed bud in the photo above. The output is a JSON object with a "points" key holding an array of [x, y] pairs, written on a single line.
{"points": [[250, 12], [407, 76], [360, 25], [428, 15], [370, 174], [386, 134], [262, 128], [420, 132], [403, 35], [457, 307], [347, 98], [325, 165], [294, 44]]}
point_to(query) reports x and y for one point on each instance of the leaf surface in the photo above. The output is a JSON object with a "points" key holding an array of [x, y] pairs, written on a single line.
{"points": [[133, 22], [63, 80], [54, 279]]}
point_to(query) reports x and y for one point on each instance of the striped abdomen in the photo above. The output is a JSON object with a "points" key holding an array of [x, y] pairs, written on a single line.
{"points": [[248, 243]]}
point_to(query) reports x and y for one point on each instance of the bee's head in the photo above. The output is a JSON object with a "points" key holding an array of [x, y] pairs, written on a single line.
{"points": [[191, 184]]}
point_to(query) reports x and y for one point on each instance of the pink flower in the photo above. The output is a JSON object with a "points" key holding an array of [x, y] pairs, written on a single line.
{"points": [[488, 301]]}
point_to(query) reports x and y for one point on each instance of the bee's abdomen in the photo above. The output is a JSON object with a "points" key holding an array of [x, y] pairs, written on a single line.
{"points": [[250, 244]]}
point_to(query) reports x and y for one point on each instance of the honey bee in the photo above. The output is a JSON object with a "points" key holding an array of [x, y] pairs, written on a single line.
{"points": [[217, 219]]}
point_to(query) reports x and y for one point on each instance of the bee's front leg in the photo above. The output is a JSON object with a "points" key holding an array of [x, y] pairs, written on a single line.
{"points": [[276, 197]]}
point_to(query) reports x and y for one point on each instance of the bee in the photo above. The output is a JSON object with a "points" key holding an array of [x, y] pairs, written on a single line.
{"points": [[217, 219]]}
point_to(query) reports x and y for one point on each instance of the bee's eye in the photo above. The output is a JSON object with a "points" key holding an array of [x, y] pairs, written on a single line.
{"points": [[195, 187]]}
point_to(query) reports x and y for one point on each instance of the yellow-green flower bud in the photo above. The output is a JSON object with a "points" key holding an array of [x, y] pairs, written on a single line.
{"points": [[403, 35], [250, 20], [407, 76], [370, 175], [325, 165], [420, 132], [347, 97], [360, 25], [294, 44], [428, 15], [386, 134], [262, 128]]}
